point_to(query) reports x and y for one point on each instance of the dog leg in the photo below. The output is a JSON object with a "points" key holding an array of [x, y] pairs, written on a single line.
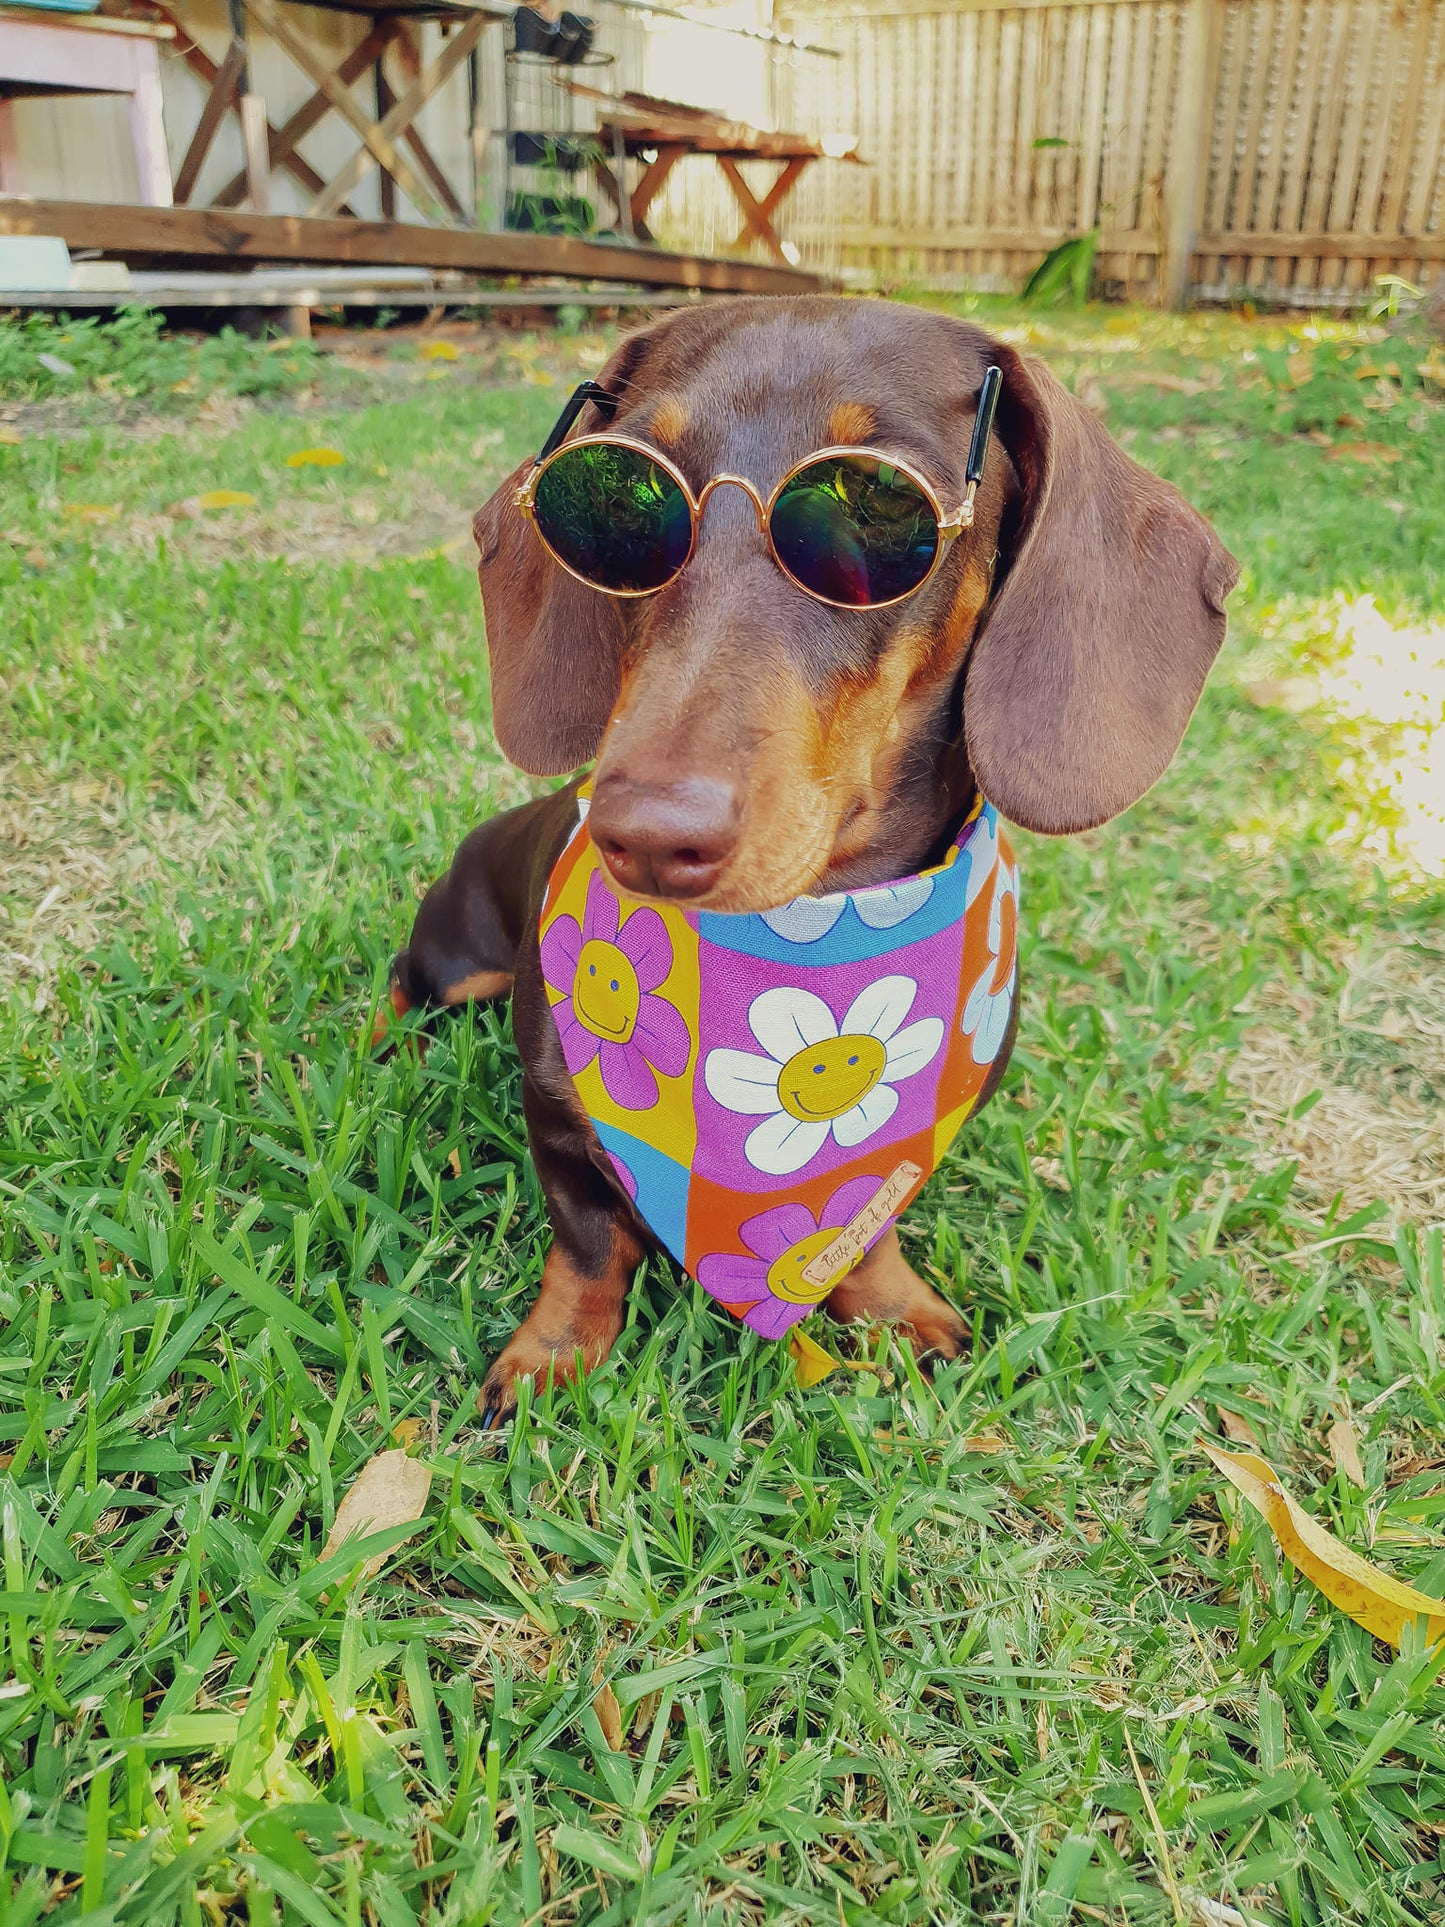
{"points": [[884, 1288], [585, 1279]]}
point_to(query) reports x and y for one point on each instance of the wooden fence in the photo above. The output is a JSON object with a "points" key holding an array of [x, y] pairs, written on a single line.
{"points": [[1289, 148]]}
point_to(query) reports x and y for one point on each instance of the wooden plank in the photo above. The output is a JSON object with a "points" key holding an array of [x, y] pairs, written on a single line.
{"points": [[1184, 182], [1267, 187], [992, 239], [1239, 212], [96, 23], [1316, 247], [254, 146], [1385, 127], [1401, 149], [1422, 189], [208, 234]]}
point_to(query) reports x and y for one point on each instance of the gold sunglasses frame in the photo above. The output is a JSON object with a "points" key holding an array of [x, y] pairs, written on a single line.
{"points": [[949, 526]]}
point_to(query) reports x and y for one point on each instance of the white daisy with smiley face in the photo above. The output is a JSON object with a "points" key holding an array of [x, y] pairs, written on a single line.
{"points": [[821, 1077]]}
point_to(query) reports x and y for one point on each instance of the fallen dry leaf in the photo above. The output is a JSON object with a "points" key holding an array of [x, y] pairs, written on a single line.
{"points": [[406, 1431], [1238, 1429], [810, 1361], [1363, 452], [454, 1162], [1345, 1451], [11, 437], [316, 458], [1382, 1605], [225, 498], [439, 351], [609, 1716], [88, 511], [985, 1442], [390, 1490]]}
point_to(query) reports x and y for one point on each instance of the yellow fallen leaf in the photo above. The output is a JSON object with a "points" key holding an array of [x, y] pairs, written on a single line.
{"points": [[439, 351], [406, 1432], [88, 511], [1382, 1605], [1363, 452], [390, 1490], [539, 377], [316, 458], [810, 1361], [11, 437], [1345, 1451], [609, 1716], [985, 1442], [225, 498]]}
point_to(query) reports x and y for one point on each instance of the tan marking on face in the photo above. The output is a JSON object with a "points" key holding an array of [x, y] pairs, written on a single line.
{"points": [[851, 422], [669, 424], [478, 987]]}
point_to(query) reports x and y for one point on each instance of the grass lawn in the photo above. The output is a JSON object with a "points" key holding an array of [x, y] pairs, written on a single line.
{"points": [[690, 1643]]}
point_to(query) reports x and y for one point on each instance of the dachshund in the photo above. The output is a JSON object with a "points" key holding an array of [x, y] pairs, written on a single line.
{"points": [[685, 604]]}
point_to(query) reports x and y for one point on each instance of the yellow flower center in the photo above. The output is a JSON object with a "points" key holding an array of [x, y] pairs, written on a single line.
{"points": [[785, 1274], [605, 995], [827, 1079]]}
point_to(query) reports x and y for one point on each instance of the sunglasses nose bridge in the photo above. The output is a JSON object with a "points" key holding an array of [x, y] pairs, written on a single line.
{"points": [[736, 481]]}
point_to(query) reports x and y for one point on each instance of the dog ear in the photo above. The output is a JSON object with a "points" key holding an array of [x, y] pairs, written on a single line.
{"points": [[1110, 610], [554, 645]]}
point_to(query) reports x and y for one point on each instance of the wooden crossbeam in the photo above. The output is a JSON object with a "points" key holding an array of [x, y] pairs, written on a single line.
{"points": [[379, 142], [380, 145], [285, 139], [219, 102], [757, 214], [202, 65]]}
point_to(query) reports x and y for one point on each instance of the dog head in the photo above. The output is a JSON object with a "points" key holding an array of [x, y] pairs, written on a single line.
{"points": [[753, 744]]}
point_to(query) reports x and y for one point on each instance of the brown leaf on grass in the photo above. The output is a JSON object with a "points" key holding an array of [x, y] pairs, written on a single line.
{"points": [[609, 1716], [1345, 1451], [987, 1443], [1363, 452], [1237, 1428], [1382, 1605], [390, 1490]]}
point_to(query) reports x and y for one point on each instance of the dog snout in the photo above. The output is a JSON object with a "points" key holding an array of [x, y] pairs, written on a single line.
{"points": [[664, 839]]}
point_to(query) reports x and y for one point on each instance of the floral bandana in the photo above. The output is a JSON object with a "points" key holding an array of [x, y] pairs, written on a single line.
{"points": [[772, 1089]]}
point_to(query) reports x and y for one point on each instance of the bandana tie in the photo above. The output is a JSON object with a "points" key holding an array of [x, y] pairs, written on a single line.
{"points": [[772, 1089]]}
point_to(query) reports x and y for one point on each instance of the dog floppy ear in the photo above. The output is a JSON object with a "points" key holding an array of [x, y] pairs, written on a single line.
{"points": [[554, 645], [1110, 610]]}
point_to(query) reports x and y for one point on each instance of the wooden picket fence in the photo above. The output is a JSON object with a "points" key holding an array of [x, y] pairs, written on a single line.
{"points": [[1286, 148]]}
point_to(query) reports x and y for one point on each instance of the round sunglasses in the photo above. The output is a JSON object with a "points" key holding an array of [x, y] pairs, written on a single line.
{"points": [[850, 526]]}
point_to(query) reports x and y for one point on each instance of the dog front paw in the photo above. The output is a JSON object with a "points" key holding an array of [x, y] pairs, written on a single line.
{"points": [[545, 1355]]}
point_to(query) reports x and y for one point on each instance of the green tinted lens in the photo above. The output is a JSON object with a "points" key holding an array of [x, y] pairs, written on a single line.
{"points": [[854, 529], [615, 516]]}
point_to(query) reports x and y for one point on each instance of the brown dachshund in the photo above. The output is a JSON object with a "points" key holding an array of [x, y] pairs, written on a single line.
{"points": [[754, 744]]}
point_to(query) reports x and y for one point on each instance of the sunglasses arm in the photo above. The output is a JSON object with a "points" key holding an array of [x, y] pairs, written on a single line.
{"points": [[587, 391], [977, 451]]}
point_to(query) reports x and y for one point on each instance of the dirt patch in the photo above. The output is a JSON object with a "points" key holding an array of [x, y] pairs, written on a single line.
{"points": [[77, 856], [1355, 1092]]}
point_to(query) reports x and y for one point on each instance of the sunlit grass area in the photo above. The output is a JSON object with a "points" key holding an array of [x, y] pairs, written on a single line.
{"points": [[690, 1643]]}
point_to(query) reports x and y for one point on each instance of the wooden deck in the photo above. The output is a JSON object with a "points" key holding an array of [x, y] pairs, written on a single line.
{"points": [[207, 236]]}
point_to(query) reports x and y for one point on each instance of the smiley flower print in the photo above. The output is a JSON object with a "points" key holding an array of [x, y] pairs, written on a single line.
{"points": [[608, 972], [765, 1284], [821, 1076]]}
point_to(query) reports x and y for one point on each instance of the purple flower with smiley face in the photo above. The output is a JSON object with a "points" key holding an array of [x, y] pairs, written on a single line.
{"points": [[608, 972], [768, 1278]]}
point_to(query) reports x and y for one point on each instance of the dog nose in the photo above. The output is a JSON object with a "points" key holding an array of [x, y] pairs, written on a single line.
{"points": [[664, 839]]}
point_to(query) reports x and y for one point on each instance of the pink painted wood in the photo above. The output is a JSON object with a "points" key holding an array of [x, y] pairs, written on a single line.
{"points": [[86, 54]]}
